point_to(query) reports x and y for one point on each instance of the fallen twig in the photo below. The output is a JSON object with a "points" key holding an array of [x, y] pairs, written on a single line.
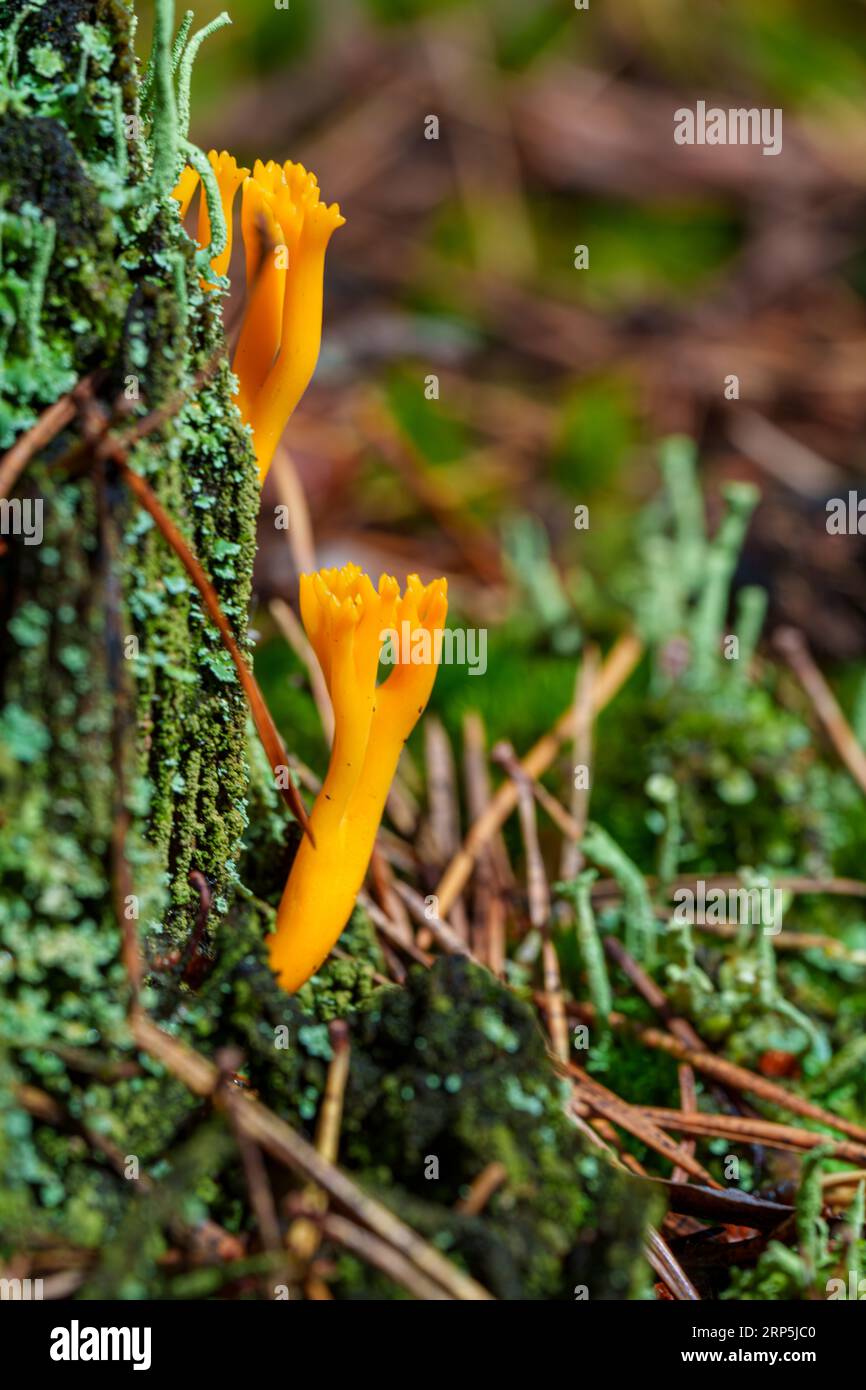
{"points": [[290, 626], [50, 423], [749, 1130], [489, 1180], [571, 860], [230, 1061], [633, 1119], [383, 1256], [539, 900], [493, 875], [267, 729]]}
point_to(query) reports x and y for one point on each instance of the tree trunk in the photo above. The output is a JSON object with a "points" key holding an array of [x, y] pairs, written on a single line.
{"points": [[123, 723]]}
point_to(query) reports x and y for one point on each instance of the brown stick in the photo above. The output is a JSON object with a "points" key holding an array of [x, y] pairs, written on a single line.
{"points": [[615, 671], [658, 1000], [330, 1117], [444, 934], [668, 1268], [729, 1073], [659, 1255], [539, 900], [839, 887], [230, 1060], [688, 1103], [46, 428], [634, 1119], [651, 992], [390, 929], [489, 1180], [789, 941], [750, 1131], [493, 876], [305, 1232], [292, 496], [791, 644], [571, 861], [441, 837], [382, 1256], [212, 1241], [291, 628]]}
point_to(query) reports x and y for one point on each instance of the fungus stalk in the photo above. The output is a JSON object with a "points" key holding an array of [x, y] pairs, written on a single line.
{"points": [[347, 622]]}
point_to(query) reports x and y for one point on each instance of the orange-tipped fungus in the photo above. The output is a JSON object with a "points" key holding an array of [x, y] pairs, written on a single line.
{"points": [[286, 229], [347, 621]]}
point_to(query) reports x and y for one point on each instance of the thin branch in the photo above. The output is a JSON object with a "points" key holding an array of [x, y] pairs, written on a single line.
{"points": [[267, 729], [658, 1253], [634, 1119], [330, 1118], [382, 1256], [539, 899], [229, 1061], [289, 1147], [571, 861], [791, 644], [50, 423], [729, 1073], [609, 888], [614, 672], [482, 1188], [444, 934], [290, 626], [494, 875]]}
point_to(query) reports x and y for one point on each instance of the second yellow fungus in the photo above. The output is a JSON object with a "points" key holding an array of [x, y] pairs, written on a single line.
{"points": [[347, 622]]}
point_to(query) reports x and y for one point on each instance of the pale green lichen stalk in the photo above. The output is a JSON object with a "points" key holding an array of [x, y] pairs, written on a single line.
{"points": [[579, 890], [641, 928]]}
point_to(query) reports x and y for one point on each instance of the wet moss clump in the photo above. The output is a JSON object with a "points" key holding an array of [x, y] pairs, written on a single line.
{"points": [[451, 1074]]}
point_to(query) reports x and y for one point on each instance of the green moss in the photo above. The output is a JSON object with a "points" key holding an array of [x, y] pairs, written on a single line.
{"points": [[454, 1068]]}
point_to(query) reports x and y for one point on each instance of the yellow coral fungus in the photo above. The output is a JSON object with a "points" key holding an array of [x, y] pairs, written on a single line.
{"points": [[286, 229], [347, 622]]}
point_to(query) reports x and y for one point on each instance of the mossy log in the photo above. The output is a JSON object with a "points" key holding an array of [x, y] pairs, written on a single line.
{"points": [[110, 664]]}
